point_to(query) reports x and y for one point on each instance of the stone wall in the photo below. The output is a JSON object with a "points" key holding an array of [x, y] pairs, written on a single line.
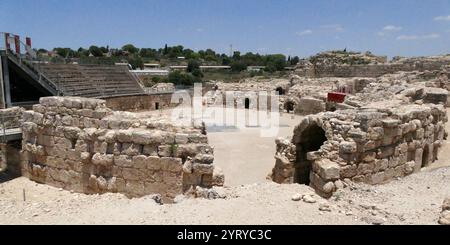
{"points": [[370, 70], [82, 145], [139, 102], [11, 117], [360, 145]]}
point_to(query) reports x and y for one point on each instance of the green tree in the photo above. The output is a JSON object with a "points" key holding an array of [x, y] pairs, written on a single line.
{"points": [[193, 65], [95, 51], [238, 66], [130, 48], [135, 61], [295, 60]]}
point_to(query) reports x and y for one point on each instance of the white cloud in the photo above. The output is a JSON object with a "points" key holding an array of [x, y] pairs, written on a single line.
{"points": [[304, 33], [442, 18], [407, 37], [417, 37], [392, 28], [431, 36], [333, 27]]}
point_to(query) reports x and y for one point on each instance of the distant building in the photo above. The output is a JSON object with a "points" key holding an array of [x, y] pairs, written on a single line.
{"points": [[255, 68], [151, 66], [151, 72]]}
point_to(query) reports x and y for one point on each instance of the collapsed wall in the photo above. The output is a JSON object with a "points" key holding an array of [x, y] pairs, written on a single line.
{"points": [[370, 145], [81, 145]]}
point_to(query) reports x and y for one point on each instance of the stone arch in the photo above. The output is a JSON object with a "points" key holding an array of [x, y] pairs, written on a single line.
{"points": [[280, 91], [247, 103], [310, 139], [289, 106]]}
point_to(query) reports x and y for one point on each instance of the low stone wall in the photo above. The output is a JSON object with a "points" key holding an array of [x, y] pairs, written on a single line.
{"points": [[140, 102], [11, 117], [360, 145], [82, 145]]}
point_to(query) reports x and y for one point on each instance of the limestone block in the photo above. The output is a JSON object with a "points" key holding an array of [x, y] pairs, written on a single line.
{"points": [[103, 159], [347, 147], [327, 169], [123, 161], [51, 101], [181, 138], [131, 174], [204, 158], [66, 120], [140, 162], [150, 150], [124, 136], [154, 163], [199, 168], [198, 138], [172, 164], [348, 171], [380, 165], [409, 167], [365, 168], [146, 137]]}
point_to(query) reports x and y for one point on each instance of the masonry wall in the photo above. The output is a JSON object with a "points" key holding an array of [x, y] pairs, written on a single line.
{"points": [[139, 102], [371, 70], [371, 146], [81, 145], [11, 117]]}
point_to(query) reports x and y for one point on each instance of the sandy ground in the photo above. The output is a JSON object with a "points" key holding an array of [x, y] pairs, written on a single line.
{"points": [[247, 199], [245, 157]]}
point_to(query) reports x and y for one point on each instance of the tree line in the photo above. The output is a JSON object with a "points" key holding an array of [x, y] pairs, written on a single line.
{"points": [[171, 55]]}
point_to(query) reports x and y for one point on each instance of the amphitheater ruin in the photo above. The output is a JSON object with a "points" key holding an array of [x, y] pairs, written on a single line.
{"points": [[96, 129]]}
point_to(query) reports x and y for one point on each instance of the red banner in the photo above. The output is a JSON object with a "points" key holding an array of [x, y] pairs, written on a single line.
{"points": [[28, 43], [336, 97], [17, 43], [7, 43]]}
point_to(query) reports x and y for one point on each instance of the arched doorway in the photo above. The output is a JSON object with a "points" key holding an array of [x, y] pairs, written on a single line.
{"points": [[280, 91], [311, 139], [426, 156], [247, 103], [289, 106]]}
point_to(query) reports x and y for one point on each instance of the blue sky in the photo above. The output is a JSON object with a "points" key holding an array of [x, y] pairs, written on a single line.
{"points": [[387, 27]]}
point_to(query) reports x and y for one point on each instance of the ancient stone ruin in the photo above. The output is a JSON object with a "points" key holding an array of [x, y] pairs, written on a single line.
{"points": [[79, 144], [370, 145]]}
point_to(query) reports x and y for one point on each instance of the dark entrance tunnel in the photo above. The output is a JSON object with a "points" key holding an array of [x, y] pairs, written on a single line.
{"points": [[24, 88], [289, 106], [311, 139], [280, 91], [247, 103]]}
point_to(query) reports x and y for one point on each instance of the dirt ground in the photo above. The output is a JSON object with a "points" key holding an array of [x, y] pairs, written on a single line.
{"points": [[248, 197]]}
